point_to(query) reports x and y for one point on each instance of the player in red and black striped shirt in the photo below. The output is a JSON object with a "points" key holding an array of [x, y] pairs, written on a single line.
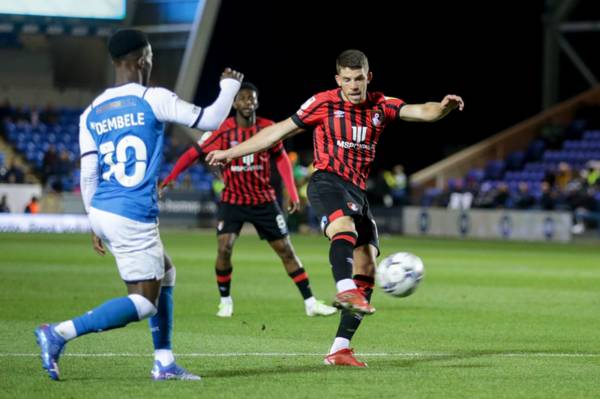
{"points": [[347, 123], [249, 197]]}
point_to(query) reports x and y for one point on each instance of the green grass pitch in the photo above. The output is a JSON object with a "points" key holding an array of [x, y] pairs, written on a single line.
{"points": [[490, 320]]}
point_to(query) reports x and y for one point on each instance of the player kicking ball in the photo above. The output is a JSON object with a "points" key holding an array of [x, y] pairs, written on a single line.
{"points": [[249, 197], [121, 141], [347, 123]]}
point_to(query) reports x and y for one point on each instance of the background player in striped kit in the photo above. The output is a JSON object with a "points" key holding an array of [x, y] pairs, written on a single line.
{"points": [[249, 197], [347, 123], [121, 142]]}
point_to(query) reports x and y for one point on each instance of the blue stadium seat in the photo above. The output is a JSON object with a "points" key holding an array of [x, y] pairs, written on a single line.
{"points": [[514, 160], [494, 170]]}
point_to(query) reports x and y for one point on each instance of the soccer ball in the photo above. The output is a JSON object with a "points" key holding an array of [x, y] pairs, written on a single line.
{"points": [[400, 274]]}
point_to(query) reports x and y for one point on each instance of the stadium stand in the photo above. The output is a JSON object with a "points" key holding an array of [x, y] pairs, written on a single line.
{"points": [[52, 149]]}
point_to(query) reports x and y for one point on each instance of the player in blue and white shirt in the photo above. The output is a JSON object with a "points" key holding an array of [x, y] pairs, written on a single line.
{"points": [[121, 141]]}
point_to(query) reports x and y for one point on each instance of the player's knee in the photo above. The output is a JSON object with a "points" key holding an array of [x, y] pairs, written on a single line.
{"points": [[342, 224], [170, 277], [143, 306]]}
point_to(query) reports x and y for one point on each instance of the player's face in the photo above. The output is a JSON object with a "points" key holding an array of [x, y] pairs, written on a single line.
{"points": [[354, 84], [145, 64], [246, 102]]}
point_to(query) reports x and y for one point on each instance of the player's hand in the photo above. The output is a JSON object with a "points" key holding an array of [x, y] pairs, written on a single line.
{"points": [[229, 73], [452, 102], [98, 245], [162, 187], [218, 158], [293, 206]]}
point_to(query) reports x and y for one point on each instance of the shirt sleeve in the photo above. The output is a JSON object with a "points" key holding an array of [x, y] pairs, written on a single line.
{"points": [[211, 141], [89, 175], [168, 107], [87, 145], [277, 149], [392, 108], [312, 112]]}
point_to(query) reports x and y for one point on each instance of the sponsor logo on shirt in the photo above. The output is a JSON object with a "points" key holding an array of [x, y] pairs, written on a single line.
{"points": [[248, 165], [359, 134], [204, 137], [307, 103]]}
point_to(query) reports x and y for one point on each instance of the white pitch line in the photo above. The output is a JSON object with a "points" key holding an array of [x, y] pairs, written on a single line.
{"points": [[285, 354]]}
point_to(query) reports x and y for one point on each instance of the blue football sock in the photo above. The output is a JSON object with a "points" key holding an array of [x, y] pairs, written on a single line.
{"points": [[161, 325], [115, 313]]}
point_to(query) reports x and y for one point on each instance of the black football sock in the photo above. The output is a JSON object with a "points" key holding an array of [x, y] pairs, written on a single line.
{"points": [[349, 322], [300, 278], [224, 281], [341, 255]]}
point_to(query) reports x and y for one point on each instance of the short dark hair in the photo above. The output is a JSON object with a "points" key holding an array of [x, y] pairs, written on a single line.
{"points": [[126, 41], [353, 59], [249, 86]]}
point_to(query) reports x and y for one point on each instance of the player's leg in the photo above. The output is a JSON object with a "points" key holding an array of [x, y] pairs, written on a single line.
{"points": [[284, 249], [223, 271], [343, 236], [270, 224], [161, 324], [137, 250], [364, 272], [338, 203], [230, 221], [161, 327], [364, 255]]}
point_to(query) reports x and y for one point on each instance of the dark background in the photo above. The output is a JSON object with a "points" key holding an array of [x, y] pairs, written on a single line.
{"points": [[490, 53]]}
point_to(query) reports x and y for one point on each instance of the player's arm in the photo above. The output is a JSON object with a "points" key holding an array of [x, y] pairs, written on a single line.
{"points": [[89, 176], [431, 111], [264, 139], [183, 163], [167, 107], [208, 142], [285, 171]]}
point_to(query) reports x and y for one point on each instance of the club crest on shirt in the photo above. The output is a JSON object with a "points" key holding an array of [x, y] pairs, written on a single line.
{"points": [[352, 206], [376, 118]]}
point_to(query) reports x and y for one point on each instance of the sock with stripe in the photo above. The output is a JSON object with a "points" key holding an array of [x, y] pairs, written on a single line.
{"points": [[349, 321], [300, 278], [341, 259], [224, 281]]}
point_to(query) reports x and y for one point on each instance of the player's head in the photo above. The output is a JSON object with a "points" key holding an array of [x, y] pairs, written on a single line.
{"points": [[353, 75], [131, 51], [246, 100]]}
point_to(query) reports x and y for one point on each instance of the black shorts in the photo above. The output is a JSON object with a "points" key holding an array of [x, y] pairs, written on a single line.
{"points": [[333, 197], [267, 219]]}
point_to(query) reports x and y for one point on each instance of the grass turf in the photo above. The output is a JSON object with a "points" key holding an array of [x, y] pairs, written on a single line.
{"points": [[491, 320]]}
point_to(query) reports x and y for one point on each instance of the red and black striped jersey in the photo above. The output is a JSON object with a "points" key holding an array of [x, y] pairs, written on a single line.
{"points": [[247, 179], [345, 135]]}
